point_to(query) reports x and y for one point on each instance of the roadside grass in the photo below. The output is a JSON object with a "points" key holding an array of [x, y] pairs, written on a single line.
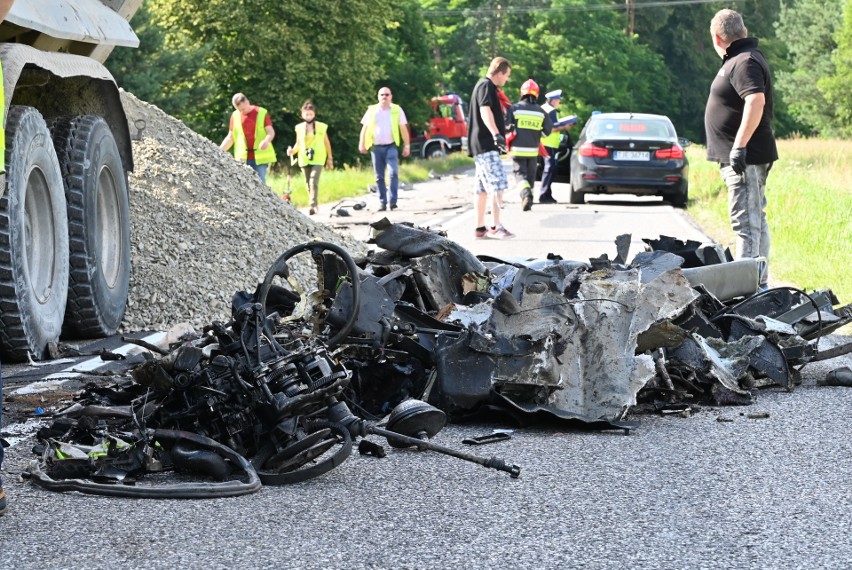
{"points": [[352, 182], [809, 208]]}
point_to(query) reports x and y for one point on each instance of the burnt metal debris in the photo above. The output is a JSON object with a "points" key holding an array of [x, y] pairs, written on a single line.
{"points": [[422, 331]]}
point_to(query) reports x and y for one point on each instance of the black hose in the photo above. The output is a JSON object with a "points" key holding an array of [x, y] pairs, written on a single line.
{"points": [[174, 491]]}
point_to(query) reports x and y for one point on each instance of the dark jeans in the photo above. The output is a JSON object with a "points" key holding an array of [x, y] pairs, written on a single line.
{"points": [[547, 174], [384, 157]]}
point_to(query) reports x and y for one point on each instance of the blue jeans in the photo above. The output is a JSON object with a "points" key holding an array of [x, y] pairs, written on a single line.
{"points": [[259, 168], [386, 156]]}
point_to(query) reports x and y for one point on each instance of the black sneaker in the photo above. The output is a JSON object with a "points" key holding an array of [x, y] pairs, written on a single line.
{"points": [[526, 200], [393, 206], [547, 200], [3, 502], [382, 208]]}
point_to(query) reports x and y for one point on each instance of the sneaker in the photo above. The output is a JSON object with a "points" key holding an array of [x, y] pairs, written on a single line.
{"points": [[500, 232], [3, 502], [547, 200], [481, 233], [382, 208], [526, 200], [393, 206], [312, 211]]}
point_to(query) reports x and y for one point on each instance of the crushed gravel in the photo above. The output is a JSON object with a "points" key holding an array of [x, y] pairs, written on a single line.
{"points": [[203, 226]]}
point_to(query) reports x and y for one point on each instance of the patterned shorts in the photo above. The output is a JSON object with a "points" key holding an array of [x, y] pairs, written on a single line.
{"points": [[490, 174]]}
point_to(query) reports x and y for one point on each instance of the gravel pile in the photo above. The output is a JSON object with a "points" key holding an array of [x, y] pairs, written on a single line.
{"points": [[202, 226]]}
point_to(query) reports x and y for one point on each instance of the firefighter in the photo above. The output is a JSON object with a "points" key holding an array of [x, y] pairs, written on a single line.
{"points": [[526, 121]]}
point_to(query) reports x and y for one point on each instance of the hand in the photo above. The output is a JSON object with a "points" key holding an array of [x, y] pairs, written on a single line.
{"points": [[362, 149], [406, 150], [290, 151], [328, 164], [500, 141], [738, 159]]}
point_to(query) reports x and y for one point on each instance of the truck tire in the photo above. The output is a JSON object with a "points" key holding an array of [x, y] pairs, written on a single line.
{"points": [[98, 225], [33, 240], [435, 150]]}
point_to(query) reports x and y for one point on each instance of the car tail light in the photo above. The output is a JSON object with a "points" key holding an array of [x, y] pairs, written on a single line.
{"points": [[589, 149], [669, 153]]}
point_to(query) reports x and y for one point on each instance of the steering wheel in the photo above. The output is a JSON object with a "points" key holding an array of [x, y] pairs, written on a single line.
{"points": [[316, 308]]}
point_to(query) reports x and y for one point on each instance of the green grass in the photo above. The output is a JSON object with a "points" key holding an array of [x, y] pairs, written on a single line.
{"points": [[349, 182], [809, 208]]}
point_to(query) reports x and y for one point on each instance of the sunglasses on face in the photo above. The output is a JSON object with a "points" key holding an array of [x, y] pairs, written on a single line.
{"points": [[384, 94], [308, 108]]}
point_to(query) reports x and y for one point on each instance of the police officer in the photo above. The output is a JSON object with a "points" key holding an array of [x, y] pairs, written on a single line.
{"points": [[551, 145]]}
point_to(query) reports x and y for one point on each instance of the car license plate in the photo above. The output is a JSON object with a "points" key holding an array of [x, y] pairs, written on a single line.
{"points": [[631, 155]]}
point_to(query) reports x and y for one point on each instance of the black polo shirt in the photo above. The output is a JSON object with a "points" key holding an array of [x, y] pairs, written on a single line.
{"points": [[480, 139], [744, 71]]}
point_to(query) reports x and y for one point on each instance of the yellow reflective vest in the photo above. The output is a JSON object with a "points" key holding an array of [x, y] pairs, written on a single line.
{"points": [[371, 124], [317, 143], [551, 140], [261, 156]]}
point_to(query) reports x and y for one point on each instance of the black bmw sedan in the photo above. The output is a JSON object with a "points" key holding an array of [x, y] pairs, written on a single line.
{"points": [[630, 153]]}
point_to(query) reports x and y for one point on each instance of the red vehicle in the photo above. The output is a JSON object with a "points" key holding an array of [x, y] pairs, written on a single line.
{"points": [[447, 128]]}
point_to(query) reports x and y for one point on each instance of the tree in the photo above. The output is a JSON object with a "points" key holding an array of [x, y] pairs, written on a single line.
{"points": [[808, 27], [837, 88]]}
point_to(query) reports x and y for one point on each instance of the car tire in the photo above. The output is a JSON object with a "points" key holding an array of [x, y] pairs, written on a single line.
{"points": [[575, 197], [99, 225], [33, 240], [680, 198]]}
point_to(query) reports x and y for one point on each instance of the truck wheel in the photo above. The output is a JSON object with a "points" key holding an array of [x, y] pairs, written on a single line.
{"points": [[33, 239], [436, 150], [98, 223]]}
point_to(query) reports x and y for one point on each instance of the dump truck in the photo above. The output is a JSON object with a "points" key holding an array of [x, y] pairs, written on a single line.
{"points": [[64, 212]]}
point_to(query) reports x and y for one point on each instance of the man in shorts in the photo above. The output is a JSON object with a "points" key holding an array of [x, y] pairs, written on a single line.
{"points": [[486, 141]]}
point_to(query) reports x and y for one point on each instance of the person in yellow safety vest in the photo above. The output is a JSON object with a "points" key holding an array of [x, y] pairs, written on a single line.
{"points": [[384, 126], [250, 133], [526, 121], [313, 150], [551, 145]]}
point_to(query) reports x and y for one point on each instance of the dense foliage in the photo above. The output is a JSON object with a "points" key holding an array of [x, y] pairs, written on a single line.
{"points": [[196, 53]]}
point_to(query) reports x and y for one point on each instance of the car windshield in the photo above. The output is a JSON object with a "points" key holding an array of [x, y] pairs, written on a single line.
{"points": [[630, 129]]}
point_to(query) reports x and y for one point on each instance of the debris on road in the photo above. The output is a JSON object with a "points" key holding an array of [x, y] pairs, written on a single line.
{"points": [[419, 332]]}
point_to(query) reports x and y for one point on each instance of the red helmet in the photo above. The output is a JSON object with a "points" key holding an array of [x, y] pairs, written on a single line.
{"points": [[529, 87]]}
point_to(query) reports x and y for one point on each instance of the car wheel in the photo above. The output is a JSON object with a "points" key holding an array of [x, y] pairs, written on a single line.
{"points": [[575, 197], [98, 223], [680, 199], [33, 239]]}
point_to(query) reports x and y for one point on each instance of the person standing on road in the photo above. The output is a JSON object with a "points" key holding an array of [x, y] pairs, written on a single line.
{"points": [[486, 140], [313, 150], [384, 127], [250, 132], [551, 145], [526, 121], [738, 122]]}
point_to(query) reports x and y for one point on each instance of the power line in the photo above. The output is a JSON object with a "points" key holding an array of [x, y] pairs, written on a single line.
{"points": [[571, 8]]}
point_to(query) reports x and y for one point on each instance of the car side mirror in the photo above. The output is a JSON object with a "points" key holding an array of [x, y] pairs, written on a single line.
{"points": [[683, 142]]}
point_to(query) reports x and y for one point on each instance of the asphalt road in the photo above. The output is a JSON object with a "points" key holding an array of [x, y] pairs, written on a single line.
{"points": [[679, 492]]}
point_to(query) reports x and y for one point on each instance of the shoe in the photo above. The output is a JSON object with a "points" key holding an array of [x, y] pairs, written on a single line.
{"points": [[500, 233], [393, 206], [526, 200], [481, 233], [3, 502], [547, 200], [372, 188], [312, 211], [382, 208]]}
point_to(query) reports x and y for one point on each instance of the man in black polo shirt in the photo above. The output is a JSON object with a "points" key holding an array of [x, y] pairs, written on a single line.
{"points": [[738, 121]]}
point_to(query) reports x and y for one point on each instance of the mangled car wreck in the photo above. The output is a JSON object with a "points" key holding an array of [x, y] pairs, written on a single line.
{"points": [[419, 332]]}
